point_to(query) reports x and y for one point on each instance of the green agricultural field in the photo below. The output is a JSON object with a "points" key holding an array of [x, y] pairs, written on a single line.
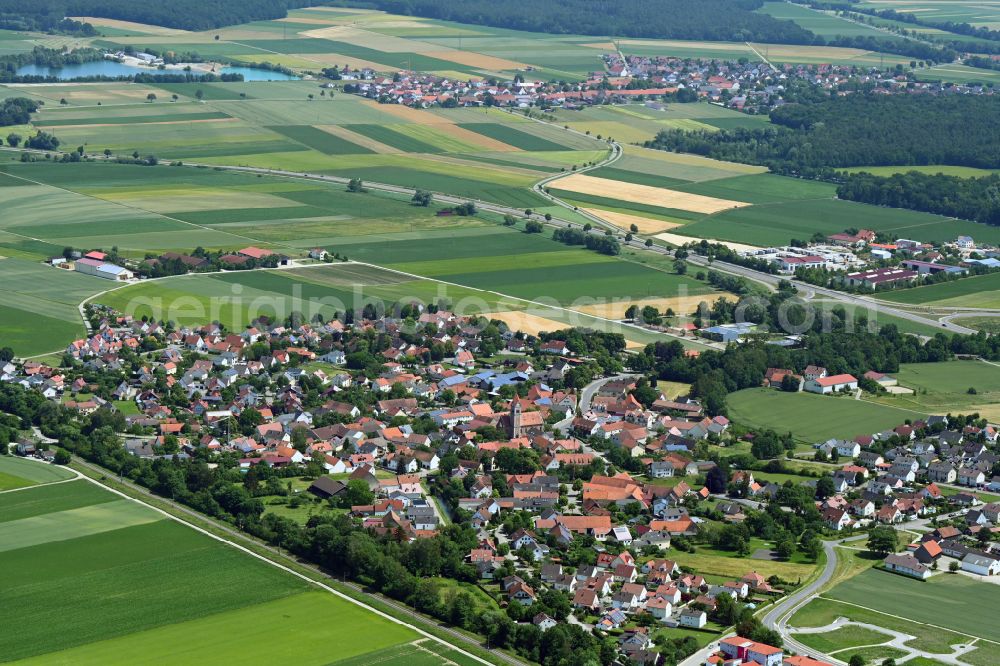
{"points": [[681, 166], [317, 139], [818, 22], [23, 472], [947, 601], [762, 189], [512, 136], [948, 170], [396, 139], [980, 291], [121, 586], [813, 418]]}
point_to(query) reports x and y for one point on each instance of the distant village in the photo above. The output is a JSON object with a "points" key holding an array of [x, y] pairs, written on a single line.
{"points": [[752, 87], [584, 500]]}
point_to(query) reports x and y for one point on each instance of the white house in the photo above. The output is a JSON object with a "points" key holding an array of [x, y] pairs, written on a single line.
{"points": [[659, 608], [694, 619]]}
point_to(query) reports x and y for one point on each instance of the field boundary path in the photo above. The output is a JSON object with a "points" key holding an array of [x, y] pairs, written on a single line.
{"points": [[273, 555]]}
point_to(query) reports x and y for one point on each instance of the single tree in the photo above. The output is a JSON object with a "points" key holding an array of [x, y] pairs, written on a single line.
{"points": [[883, 540]]}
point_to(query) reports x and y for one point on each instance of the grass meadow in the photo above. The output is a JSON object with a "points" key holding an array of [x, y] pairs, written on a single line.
{"points": [[811, 417], [107, 579], [943, 388], [980, 291]]}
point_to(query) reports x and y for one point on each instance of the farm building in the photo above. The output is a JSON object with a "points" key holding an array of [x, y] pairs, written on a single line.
{"points": [[980, 565], [100, 269], [930, 268], [832, 384], [880, 276]]}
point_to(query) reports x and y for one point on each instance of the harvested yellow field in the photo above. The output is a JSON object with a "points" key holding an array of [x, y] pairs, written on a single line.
{"points": [[479, 60], [155, 122], [677, 239], [673, 389], [338, 59], [989, 411], [682, 305], [792, 51], [372, 40], [406, 24], [526, 322], [304, 19], [359, 139], [129, 25], [646, 225], [408, 113], [604, 46], [644, 194]]}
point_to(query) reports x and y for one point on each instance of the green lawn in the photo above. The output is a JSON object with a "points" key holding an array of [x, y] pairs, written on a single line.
{"points": [[845, 637], [813, 418], [728, 564], [821, 612]]}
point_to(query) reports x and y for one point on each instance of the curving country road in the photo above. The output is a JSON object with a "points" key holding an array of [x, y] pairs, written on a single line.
{"points": [[777, 617]]}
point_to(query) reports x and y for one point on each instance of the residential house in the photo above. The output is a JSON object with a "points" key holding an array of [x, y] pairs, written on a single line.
{"points": [[907, 565]]}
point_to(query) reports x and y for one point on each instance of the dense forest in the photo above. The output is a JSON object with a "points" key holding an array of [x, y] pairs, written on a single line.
{"points": [[185, 14], [975, 199], [858, 130], [719, 20], [677, 19]]}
